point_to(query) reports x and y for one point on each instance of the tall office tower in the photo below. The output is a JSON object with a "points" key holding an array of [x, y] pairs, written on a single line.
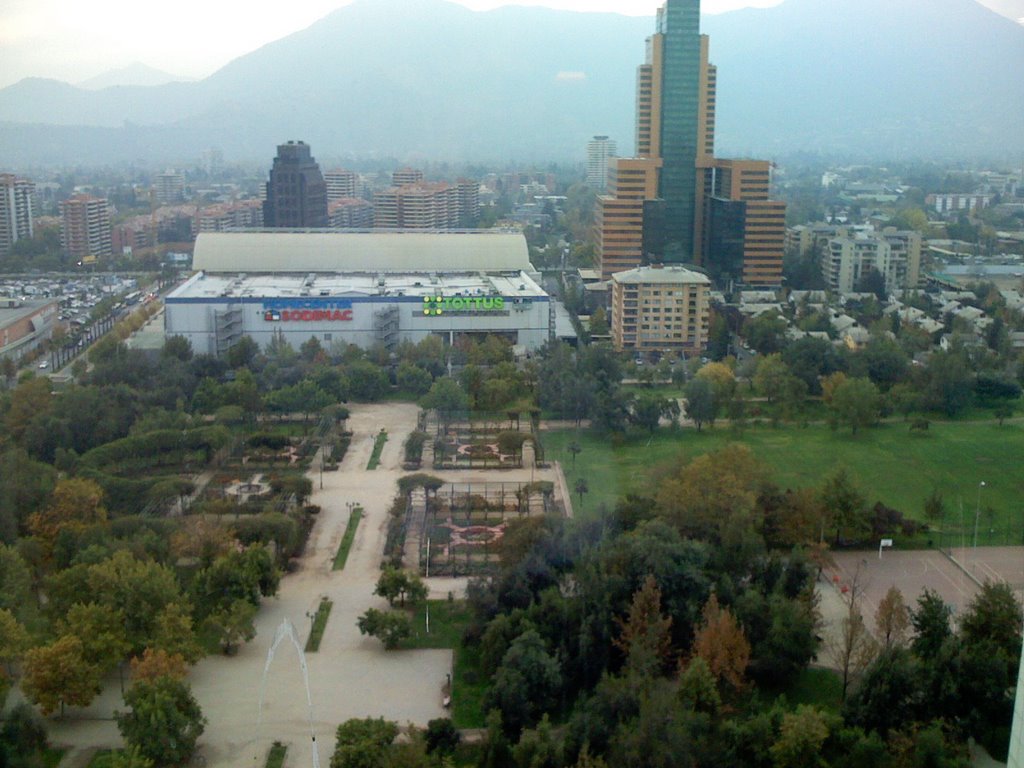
{"points": [[170, 187], [600, 150], [341, 184], [16, 214], [296, 192], [679, 26], [85, 227], [674, 130], [405, 176], [625, 216], [744, 231]]}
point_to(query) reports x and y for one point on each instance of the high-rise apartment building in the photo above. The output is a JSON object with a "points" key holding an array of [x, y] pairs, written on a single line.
{"points": [[16, 211], [600, 150], [341, 184], [85, 227], [427, 205], [405, 176], [296, 192], [350, 213], [852, 256], [170, 187], [244, 214]]}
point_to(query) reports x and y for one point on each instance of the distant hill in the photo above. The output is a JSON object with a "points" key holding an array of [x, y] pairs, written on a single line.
{"points": [[432, 79], [136, 73]]}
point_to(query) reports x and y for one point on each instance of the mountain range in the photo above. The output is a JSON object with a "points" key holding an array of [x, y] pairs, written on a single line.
{"points": [[431, 79]]}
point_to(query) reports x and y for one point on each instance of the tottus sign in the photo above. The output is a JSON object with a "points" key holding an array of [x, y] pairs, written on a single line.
{"points": [[434, 306]]}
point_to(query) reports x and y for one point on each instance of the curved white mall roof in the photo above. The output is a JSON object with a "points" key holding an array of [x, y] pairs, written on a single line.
{"points": [[361, 251]]}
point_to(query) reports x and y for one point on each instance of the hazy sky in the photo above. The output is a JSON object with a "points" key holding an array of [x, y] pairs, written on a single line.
{"points": [[74, 40]]}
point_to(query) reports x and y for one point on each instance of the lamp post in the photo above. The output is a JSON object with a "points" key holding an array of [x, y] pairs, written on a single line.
{"points": [[977, 514]]}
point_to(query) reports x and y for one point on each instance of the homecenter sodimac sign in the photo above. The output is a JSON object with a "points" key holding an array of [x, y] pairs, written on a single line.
{"points": [[307, 310]]}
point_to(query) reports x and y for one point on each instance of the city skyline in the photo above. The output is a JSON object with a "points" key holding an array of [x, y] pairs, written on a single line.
{"points": [[67, 41]]}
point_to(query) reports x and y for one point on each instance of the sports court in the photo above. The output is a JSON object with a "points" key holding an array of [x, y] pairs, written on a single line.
{"points": [[955, 574]]}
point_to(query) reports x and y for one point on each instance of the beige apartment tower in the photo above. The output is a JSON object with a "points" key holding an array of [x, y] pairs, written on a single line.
{"points": [[660, 309], [85, 227]]}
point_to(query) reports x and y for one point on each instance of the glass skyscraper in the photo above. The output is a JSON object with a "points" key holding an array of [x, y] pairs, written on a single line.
{"points": [[679, 23]]}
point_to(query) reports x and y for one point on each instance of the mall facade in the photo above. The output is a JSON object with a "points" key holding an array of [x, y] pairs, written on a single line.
{"points": [[366, 288]]}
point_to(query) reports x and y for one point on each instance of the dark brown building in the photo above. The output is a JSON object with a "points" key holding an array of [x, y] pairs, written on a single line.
{"points": [[296, 192]]}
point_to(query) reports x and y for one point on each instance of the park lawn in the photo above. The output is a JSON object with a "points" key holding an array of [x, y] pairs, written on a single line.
{"points": [[448, 620], [892, 465]]}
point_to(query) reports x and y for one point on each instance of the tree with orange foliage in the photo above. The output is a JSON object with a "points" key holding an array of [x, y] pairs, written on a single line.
{"points": [[644, 635], [76, 504], [721, 642], [158, 663]]}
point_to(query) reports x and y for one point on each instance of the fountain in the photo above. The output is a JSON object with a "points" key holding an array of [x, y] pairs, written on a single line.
{"points": [[287, 630]]}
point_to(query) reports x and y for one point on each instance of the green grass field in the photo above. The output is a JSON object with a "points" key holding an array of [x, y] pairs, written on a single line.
{"points": [[378, 448], [316, 634], [891, 464], [346, 541], [448, 619]]}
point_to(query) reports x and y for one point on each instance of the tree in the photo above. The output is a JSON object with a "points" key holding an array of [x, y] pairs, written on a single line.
{"points": [[243, 352], [855, 402], [994, 615], [892, 620], [398, 586], [58, 674], [442, 736], [390, 627], [581, 488], [700, 401], [844, 505], [722, 380], [14, 639], [413, 379], [101, 630], [164, 722], [645, 636], [445, 396], [496, 751], [177, 348], [720, 641], [138, 589], [851, 645], [649, 408], [154, 664], [934, 506], [76, 504], [233, 625], [931, 624], [770, 377], [766, 333], [574, 448], [367, 382], [363, 743], [599, 322], [801, 737], [527, 683], [174, 634]]}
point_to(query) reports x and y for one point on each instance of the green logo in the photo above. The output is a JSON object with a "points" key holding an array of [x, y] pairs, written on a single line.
{"points": [[438, 305]]}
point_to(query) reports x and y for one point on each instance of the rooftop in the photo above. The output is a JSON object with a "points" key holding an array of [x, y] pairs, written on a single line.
{"points": [[304, 251], [356, 285], [668, 275]]}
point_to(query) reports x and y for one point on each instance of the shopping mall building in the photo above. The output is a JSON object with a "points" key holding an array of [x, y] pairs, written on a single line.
{"points": [[359, 287]]}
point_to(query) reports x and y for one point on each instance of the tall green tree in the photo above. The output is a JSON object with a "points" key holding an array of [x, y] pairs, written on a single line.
{"points": [[164, 721]]}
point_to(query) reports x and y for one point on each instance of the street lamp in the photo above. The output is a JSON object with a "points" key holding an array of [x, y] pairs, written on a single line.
{"points": [[977, 514]]}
